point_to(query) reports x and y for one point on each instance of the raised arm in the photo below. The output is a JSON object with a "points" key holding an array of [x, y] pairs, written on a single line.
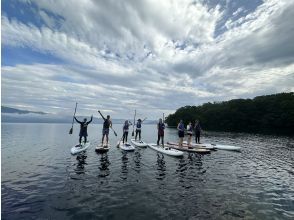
{"points": [[90, 120], [77, 120], [143, 120]]}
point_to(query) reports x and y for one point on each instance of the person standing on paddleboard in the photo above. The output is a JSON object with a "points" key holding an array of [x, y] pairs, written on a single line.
{"points": [[83, 128], [181, 131], [189, 133], [106, 125], [197, 129], [126, 131], [138, 129], [160, 128]]}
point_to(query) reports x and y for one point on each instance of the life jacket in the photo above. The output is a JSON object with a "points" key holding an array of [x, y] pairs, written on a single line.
{"points": [[126, 127], [138, 126], [161, 126], [182, 127]]}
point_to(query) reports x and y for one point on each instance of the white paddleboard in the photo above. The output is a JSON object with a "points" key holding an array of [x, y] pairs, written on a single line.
{"points": [[200, 150], [126, 146], [139, 143], [227, 147], [202, 145], [194, 145], [102, 148], [79, 148], [166, 150]]}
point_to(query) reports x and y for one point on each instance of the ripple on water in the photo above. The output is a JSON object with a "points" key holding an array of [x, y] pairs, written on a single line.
{"points": [[44, 180]]}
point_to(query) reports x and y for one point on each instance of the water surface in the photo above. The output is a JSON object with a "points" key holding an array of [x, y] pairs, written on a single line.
{"points": [[42, 180]]}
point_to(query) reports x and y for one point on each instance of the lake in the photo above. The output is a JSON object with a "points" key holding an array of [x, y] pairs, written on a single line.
{"points": [[42, 180]]}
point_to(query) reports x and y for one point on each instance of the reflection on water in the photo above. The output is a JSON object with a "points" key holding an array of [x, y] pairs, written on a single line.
{"points": [[161, 167], [137, 160], [42, 180], [124, 165], [104, 166]]}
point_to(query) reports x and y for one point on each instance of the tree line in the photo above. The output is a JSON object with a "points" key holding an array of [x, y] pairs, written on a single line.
{"points": [[269, 114]]}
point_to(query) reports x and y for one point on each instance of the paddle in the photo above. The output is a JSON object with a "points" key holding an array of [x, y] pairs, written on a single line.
{"points": [[104, 120], [119, 141], [133, 133], [70, 131]]}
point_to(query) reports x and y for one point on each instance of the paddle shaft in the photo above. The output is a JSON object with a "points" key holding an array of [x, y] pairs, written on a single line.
{"points": [[134, 123], [73, 118]]}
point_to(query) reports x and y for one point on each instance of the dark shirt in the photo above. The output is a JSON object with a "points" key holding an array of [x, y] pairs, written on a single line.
{"points": [[106, 124], [83, 126], [197, 128]]}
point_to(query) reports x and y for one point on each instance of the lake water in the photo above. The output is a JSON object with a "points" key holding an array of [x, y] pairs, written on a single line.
{"points": [[42, 180]]}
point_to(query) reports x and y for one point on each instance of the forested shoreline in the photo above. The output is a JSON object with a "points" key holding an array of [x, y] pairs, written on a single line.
{"points": [[269, 114]]}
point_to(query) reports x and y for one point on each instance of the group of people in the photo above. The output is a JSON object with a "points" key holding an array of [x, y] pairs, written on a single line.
{"points": [[107, 124], [190, 129]]}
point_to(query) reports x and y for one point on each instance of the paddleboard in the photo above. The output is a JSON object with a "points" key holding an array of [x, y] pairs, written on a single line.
{"points": [[193, 145], [139, 143], [227, 147], [202, 145], [79, 148], [102, 148], [190, 150], [166, 150], [126, 146]]}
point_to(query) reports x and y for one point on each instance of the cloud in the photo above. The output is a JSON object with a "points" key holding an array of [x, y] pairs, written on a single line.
{"points": [[149, 55]]}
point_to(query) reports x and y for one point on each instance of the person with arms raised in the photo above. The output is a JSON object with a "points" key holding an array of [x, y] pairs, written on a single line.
{"points": [[83, 128]]}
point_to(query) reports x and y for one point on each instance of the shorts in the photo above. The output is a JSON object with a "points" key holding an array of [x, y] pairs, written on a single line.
{"points": [[83, 134], [105, 131], [181, 134], [161, 133]]}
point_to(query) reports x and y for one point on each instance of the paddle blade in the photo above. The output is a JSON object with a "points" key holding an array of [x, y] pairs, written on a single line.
{"points": [[133, 133], [115, 133], [70, 131]]}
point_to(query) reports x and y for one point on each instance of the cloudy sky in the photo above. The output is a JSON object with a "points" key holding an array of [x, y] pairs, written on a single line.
{"points": [[153, 56]]}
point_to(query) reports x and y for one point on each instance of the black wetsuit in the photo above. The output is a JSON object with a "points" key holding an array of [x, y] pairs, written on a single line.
{"points": [[83, 129], [197, 129]]}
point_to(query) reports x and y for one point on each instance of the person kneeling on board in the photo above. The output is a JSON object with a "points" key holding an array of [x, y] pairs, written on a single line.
{"points": [[83, 129], [189, 133], [106, 125], [160, 128], [126, 131], [181, 131]]}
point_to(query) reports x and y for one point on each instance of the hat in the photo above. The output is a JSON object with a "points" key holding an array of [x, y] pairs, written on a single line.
{"points": [[139, 119]]}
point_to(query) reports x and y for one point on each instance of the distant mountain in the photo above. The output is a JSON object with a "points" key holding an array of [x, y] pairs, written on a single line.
{"points": [[13, 115], [5, 109]]}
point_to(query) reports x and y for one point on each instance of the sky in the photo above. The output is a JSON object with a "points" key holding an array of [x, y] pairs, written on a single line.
{"points": [[149, 55]]}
